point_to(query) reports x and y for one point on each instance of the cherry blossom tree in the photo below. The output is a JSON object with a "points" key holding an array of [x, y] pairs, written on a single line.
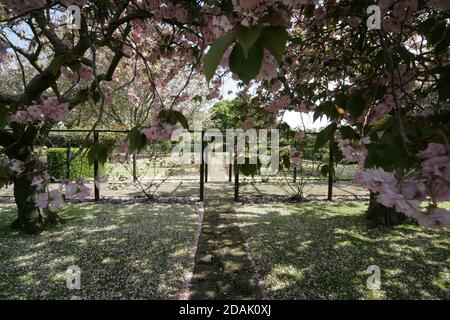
{"points": [[385, 91]]}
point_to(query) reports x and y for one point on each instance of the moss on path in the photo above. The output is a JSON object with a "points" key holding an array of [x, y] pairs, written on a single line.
{"points": [[222, 269]]}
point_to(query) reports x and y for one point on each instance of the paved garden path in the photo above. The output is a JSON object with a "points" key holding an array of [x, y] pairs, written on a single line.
{"points": [[222, 267]]}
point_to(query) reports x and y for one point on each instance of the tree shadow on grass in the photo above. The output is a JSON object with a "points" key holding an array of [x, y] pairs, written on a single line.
{"points": [[322, 252], [124, 251]]}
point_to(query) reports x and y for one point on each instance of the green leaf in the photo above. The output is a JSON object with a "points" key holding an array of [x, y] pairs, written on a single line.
{"points": [[137, 139], [3, 116], [247, 37], [181, 119], [286, 161], [5, 175], [274, 18], [326, 108], [248, 169], [75, 66], [215, 54], [173, 117], [274, 39], [324, 136], [382, 125], [347, 132], [356, 105], [56, 64], [246, 69], [324, 170], [102, 155], [198, 98], [92, 154], [96, 96]]}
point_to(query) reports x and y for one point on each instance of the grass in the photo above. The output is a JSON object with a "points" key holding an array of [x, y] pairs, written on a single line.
{"points": [[317, 251], [124, 252]]}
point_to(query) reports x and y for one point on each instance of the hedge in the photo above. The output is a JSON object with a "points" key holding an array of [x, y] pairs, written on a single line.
{"points": [[57, 164]]}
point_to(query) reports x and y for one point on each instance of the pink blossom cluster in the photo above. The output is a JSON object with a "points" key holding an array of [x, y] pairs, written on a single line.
{"points": [[249, 8], [77, 190], [69, 75], [403, 82], [51, 108], [269, 68], [430, 183], [3, 52], [159, 131], [352, 154], [168, 10], [248, 124], [439, 4], [52, 198], [73, 190], [296, 157], [20, 7], [86, 73], [397, 14], [16, 166], [99, 180], [279, 104], [133, 98], [304, 107], [300, 135], [24, 6], [39, 181]]}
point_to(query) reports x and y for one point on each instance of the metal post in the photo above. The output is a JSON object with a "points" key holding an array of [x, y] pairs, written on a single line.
{"points": [[202, 171], [206, 164], [330, 172], [134, 168], [96, 170], [236, 183], [230, 172], [295, 174], [68, 162]]}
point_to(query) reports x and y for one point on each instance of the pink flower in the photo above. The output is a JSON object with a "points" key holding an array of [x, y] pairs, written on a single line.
{"points": [[20, 116], [16, 166], [77, 190], [42, 200], [437, 217], [299, 135], [279, 104], [86, 73], [99, 180], [3, 52], [296, 157], [269, 68], [46, 199], [375, 179], [54, 109], [40, 180], [151, 133], [248, 124], [35, 112], [69, 75]]}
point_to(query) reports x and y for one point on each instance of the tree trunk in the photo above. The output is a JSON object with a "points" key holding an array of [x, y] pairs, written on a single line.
{"points": [[378, 215], [30, 219]]}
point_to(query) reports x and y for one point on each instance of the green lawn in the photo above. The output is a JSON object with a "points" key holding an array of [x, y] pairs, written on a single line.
{"points": [[321, 251], [140, 251]]}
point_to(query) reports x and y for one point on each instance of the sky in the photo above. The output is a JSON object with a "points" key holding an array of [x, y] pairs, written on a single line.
{"points": [[292, 118]]}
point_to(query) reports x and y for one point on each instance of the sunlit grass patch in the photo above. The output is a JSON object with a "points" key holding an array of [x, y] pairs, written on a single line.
{"points": [[124, 251], [322, 251]]}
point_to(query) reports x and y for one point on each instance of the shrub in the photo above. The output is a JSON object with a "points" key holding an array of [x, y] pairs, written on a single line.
{"points": [[57, 164]]}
